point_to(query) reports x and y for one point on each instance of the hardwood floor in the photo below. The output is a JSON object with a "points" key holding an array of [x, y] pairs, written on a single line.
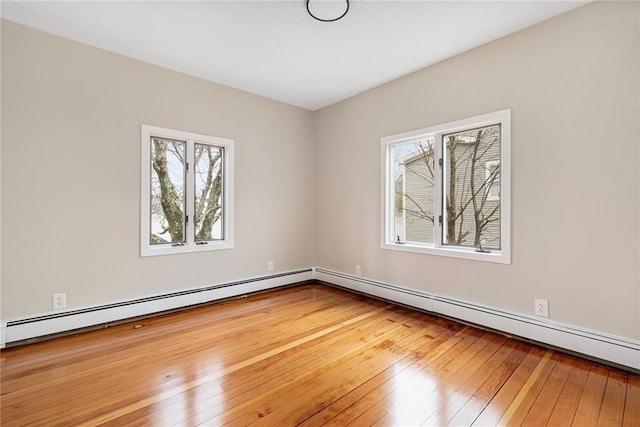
{"points": [[309, 355]]}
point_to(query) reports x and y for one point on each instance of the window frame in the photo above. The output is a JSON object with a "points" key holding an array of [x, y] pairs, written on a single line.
{"points": [[503, 256], [190, 139]]}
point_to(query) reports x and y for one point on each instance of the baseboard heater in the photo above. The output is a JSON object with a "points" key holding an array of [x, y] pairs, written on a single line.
{"points": [[19, 330], [615, 350], [620, 351]]}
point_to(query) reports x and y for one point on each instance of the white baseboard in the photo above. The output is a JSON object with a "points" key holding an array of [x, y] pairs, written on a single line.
{"points": [[618, 350], [39, 326]]}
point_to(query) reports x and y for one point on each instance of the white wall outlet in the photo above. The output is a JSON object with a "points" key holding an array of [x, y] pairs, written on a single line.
{"points": [[59, 301], [542, 307], [358, 270], [269, 265]]}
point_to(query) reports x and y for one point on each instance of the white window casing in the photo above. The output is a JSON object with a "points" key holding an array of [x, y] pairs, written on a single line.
{"points": [[439, 247], [189, 243]]}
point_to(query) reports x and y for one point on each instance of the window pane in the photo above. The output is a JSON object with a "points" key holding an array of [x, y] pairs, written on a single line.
{"points": [[167, 191], [413, 166], [472, 188], [208, 192], [492, 175]]}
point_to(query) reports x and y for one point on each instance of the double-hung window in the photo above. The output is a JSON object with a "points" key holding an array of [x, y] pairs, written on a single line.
{"points": [[445, 189], [187, 192]]}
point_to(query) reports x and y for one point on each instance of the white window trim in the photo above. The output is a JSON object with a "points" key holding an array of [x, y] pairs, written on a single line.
{"points": [[502, 256], [147, 249]]}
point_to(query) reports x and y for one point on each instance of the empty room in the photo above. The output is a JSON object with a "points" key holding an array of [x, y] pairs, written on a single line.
{"points": [[320, 212]]}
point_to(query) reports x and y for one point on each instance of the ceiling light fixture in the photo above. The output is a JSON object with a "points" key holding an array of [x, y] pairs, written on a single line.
{"points": [[327, 20]]}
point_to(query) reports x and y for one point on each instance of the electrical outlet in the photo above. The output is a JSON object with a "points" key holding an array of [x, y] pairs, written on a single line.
{"points": [[269, 265], [542, 307], [59, 301], [358, 270]]}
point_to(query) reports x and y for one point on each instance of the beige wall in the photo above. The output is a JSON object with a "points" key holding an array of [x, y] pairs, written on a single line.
{"points": [[71, 155], [71, 181], [572, 85]]}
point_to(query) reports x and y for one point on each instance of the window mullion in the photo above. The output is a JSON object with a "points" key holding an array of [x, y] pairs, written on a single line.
{"points": [[190, 193], [438, 208]]}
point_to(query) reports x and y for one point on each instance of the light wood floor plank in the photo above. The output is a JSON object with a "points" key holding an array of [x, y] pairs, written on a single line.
{"points": [[410, 382], [431, 391], [632, 402], [567, 402], [613, 401], [475, 404], [502, 401], [272, 404], [224, 371], [591, 399], [370, 392], [475, 388], [307, 355], [521, 404], [410, 350], [244, 384], [163, 356], [544, 404]]}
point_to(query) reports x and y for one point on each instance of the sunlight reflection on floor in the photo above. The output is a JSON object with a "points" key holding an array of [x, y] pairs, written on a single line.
{"points": [[418, 397], [187, 400]]}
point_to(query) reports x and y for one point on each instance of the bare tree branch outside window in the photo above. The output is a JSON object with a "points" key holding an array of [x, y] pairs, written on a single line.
{"points": [[168, 185], [471, 185]]}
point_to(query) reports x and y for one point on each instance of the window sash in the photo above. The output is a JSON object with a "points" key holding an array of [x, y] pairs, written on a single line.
{"points": [[156, 181], [200, 206], [467, 165], [388, 240]]}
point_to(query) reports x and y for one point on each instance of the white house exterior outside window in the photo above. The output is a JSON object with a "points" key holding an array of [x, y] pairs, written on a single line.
{"points": [[446, 189], [186, 192]]}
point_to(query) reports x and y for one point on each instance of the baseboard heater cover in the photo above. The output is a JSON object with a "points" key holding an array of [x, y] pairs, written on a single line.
{"points": [[38, 326], [614, 349]]}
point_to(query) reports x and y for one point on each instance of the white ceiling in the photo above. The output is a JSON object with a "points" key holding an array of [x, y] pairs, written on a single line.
{"points": [[275, 49]]}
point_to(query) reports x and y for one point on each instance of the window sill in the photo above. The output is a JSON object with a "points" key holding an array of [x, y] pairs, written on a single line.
{"points": [[465, 253], [172, 250]]}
